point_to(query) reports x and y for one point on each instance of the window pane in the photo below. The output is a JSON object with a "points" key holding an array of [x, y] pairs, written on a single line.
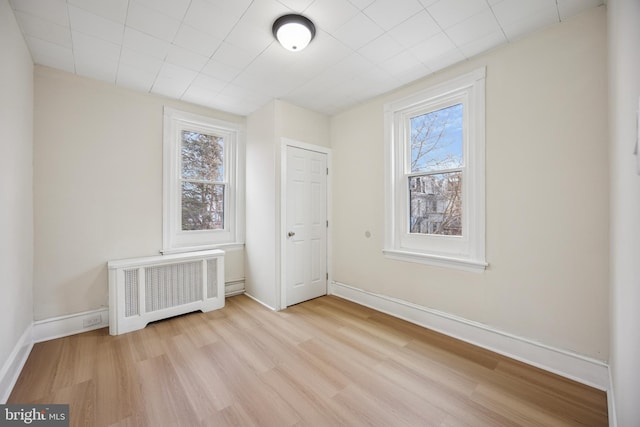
{"points": [[436, 140], [202, 206], [202, 156], [435, 204]]}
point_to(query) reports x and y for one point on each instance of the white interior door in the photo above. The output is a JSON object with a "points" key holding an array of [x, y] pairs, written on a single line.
{"points": [[306, 225]]}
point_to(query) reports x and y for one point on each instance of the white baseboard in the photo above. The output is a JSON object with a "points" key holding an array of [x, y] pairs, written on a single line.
{"points": [[14, 364], [233, 287], [611, 403], [260, 302], [592, 372], [62, 326]]}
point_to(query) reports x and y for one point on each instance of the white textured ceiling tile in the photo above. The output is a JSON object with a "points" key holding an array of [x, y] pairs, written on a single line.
{"points": [[358, 31], [262, 14], [361, 4], [237, 91], [530, 23], [473, 28], [483, 44], [443, 61], [263, 75], [381, 49], [50, 10], [94, 25], [323, 52], [89, 45], [208, 83], [51, 54], [196, 40], [234, 56], [205, 17], [350, 67], [172, 8], [451, 12], [140, 42], [297, 6], [389, 13], [405, 67], [253, 79], [235, 7], [513, 11], [173, 81], [223, 53], [152, 22], [113, 10], [232, 105], [243, 101], [331, 14], [140, 61], [419, 27], [568, 8], [434, 47], [199, 95], [96, 66], [33, 26], [185, 58], [318, 85], [177, 73], [250, 38], [220, 71], [135, 78]]}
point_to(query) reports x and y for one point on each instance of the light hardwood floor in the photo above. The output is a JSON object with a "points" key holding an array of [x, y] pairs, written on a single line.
{"points": [[325, 362]]}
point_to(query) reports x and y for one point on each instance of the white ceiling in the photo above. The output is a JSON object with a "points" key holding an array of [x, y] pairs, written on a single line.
{"points": [[221, 53]]}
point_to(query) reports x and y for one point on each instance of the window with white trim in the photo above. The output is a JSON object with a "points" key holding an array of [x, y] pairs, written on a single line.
{"points": [[434, 183], [203, 187]]}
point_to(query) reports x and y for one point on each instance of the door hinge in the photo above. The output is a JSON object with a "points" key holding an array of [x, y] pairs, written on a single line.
{"points": [[327, 276], [327, 223], [327, 171]]}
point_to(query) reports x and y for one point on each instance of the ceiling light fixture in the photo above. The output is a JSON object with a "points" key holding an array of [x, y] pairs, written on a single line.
{"points": [[294, 32]]}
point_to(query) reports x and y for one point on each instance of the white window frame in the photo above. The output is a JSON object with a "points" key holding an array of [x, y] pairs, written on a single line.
{"points": [[174, 239], [466, 252]]}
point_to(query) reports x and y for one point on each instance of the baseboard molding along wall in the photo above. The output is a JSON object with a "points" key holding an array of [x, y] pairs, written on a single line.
{"points": [[233, 287], [611, 403], [14, 364], [62, 326], [592, 372]]}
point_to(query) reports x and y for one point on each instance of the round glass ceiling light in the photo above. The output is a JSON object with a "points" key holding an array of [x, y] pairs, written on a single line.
{"points": [[294, 32]]}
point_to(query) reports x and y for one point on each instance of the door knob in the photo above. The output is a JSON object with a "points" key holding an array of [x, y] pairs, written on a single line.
{"points": [[291, 234]]}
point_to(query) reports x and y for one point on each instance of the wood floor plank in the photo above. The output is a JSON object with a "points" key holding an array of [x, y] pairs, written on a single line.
{"points": [[325, 362]]}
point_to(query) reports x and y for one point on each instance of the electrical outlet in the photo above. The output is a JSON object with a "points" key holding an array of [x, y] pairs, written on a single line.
{"points": [[92, 321]]}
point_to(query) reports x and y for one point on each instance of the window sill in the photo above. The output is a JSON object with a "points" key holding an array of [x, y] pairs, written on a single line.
{"points": [[223, 246], [475, 266]]}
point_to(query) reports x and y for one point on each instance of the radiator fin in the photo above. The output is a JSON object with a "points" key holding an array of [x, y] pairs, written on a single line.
{"points": [[172, 285], [212, 278], [131, 293]]}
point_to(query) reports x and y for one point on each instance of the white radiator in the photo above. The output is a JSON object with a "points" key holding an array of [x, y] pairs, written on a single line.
{"points": [[142, 290]]}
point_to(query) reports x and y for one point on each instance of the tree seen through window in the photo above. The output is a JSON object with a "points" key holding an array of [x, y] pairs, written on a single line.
{"points": [[203, 182]]}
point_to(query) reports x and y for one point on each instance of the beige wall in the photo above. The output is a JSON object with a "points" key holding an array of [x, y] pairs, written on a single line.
{"points": [[16, 186], [98, 186], [265, 130], [260, 205], [546, 195], [624, 75]]}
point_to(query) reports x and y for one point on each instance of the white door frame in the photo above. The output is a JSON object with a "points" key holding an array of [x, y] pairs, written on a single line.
{"points": [[286, 142]]}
